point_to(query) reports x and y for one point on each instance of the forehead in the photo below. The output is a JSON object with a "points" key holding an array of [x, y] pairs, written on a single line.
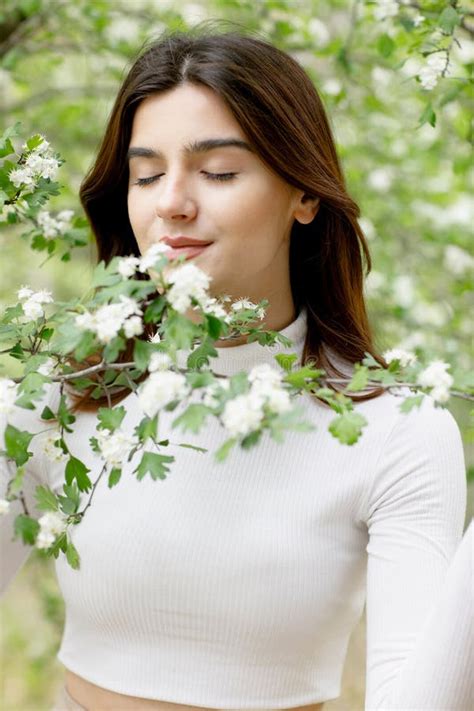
{"points": [[181, 115]]}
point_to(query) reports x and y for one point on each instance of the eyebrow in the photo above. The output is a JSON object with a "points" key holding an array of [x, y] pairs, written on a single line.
{"points": [[192, 148]]}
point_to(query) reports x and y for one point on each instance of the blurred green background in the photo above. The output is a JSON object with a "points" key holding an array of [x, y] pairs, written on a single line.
{"points": [[407, 156]]}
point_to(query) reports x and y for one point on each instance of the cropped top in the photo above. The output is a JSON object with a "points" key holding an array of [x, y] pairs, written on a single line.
{"points": [[237, 584]]}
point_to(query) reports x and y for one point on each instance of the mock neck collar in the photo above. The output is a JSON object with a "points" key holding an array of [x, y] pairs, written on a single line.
{"points": [[232, 359]]}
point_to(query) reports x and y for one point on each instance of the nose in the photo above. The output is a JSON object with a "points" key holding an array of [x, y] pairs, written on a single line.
{"points": [[172, 199]]}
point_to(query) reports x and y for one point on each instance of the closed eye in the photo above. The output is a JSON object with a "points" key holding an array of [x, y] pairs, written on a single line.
{"points": [[209, 176]]}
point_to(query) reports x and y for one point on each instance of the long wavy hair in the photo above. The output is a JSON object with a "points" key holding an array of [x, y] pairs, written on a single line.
{"points": [[280, 111]]}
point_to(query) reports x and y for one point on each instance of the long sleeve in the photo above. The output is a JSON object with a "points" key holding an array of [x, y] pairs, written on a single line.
{"points": [[415, 519], [13, 552]]}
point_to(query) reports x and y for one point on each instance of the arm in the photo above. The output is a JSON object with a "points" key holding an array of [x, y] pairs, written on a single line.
{"points": [[415, 518]]}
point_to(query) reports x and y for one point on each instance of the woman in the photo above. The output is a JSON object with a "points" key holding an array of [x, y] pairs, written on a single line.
{"points": [[237, 586]]}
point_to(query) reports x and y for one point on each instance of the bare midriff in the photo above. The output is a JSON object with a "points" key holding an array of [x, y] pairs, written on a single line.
{"points": [[96, 698]]}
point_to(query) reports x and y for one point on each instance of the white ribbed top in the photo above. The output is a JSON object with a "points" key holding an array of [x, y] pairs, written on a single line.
{"points": [[237, 585]]}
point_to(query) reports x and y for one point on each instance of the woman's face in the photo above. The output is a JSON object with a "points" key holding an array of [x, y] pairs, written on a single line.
{"points": [[247, 217]]}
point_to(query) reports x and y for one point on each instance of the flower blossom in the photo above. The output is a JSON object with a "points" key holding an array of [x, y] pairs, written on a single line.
{"points": [[267, 383], [159, 361], [433, 69], [4, 507], [40, 163], [161, 388], [115, 447], [32, 301], [241, 304], [385, 9], [49, 448], [54, 227], [187, 282], [404, 357], [457, 260], [107, 320], [8, 395], [52, 524], [243, 414], [436, 377], [148, 260]]}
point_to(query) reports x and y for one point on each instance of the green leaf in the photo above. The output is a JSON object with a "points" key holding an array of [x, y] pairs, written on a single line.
{"points": [[385, 45], [298, 378], [286, 360], [104, 275], [192, 446], [142, 351], [223, 452], [147, 429], [347, 427], [46, 499], [110, 418], [251, 439], [16, 444], [72, 555], [65, 417], [70, 503], [410, 402], [154, 310], [428, 116], [449, 19], [200, 355], [113, 348], [214, 326], [192, 418], [155, 464], [114, 477], [26, 528], [75, 469], [359, 379]]}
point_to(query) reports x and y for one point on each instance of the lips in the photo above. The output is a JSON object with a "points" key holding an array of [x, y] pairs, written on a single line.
{"points": [[183, 241]]}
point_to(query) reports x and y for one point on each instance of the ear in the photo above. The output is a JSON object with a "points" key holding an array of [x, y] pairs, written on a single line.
{"points": [[306, 209]]}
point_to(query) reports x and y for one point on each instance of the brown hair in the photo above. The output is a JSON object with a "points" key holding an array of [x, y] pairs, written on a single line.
{"points": [[280, 111]]}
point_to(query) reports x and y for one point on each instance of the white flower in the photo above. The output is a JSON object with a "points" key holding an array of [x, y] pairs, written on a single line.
{"points": [[211, 392], [435, 376], [159, 361], [333, 87], [385, 9], [188, 281], [150, 257], [319, 31], [45, 539], [133, 326], [156, 338], [49, 367], [242, 304], [404, 357], [457, 260], [403, 290], [212, 306], [265, 374], [430, 73], [4, 507], [54, 227], [22, 176], [116, 446], [381, 179], [277, 399], [8, 395], [418, 19], [243, 414], [24, 293], [53, 522], [6, 211], [107, 321], [161, 388], [32, 307], [127, 266], [49, 448]]}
